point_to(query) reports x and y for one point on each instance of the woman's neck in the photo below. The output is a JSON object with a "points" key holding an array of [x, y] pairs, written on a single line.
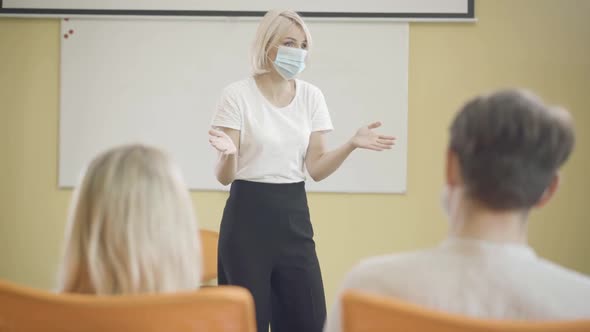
{"points": [[275, 88]]}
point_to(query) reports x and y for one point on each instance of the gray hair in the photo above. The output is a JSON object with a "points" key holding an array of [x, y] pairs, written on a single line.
{"points": [[510, 146]]}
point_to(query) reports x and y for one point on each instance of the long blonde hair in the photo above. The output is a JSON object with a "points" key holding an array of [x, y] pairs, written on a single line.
{"points": [[272, 28], [132, 227]]}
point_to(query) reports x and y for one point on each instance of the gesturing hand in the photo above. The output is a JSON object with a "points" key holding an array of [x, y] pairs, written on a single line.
{"points": [[220, 141], [366, 138]]}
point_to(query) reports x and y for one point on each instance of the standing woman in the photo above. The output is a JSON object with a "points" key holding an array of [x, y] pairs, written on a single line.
{"points": [[267, 128]]}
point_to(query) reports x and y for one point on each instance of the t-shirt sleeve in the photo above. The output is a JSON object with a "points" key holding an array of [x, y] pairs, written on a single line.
{"points": [[227, 113], [321, 120]]}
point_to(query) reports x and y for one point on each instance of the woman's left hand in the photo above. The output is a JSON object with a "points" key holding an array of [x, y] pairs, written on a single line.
{"points": [[366, 138]]}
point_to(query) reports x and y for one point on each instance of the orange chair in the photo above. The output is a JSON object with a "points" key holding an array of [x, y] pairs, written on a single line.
{"points": [[209, 241], [365, 312], [227, 309]]}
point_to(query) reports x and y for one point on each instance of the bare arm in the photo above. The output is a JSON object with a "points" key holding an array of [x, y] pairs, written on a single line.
{"points": [[225, 140], [321, 163]]}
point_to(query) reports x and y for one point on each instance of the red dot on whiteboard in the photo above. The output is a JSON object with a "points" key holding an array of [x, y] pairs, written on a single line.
{"points": [[66, 36], [66, 19], [71, 32]]}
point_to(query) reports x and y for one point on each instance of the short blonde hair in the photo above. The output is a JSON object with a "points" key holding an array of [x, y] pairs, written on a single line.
{"points": [[273, 27], [132, 227]]}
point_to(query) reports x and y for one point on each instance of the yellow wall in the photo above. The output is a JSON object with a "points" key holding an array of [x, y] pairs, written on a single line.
{"points": [[543, 45]]}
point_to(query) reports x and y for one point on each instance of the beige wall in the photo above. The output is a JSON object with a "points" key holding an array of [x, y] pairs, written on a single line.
{"points": [[543, 45]]}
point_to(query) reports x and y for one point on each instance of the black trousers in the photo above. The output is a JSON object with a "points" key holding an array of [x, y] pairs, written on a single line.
{"points": [[266, 245]]}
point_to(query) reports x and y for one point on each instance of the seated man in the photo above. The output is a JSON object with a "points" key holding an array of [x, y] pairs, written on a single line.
{"points": [[503, 160]]}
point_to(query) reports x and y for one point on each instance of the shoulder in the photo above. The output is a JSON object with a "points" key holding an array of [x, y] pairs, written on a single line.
{"points": [[374, 271], [305, 85], [238, 88], [562, 274], [309, 90]]}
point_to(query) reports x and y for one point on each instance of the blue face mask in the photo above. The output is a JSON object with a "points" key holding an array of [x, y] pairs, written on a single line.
{"points": [[290, 61]]}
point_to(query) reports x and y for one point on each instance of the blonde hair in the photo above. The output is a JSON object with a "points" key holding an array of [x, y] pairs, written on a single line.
{"points": [[272, 28], [131, 228]]}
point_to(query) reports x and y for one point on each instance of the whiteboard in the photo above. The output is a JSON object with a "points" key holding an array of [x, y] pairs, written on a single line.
{"points": [[158, 81], [407, 6], [433, 9]]}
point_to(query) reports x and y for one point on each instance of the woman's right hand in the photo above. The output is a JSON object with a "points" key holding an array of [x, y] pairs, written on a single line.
{"points": [[222, 142]]}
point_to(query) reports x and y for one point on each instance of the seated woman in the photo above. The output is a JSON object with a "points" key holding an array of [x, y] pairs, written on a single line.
{"points": [[132, 227]]}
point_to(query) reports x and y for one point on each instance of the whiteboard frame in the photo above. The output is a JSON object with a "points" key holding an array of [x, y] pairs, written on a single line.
{"points": [[468, 16]]}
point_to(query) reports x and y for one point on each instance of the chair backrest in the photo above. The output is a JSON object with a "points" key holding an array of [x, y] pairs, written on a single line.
{"points": [[366, 312], [209, 241], [227, 309]]}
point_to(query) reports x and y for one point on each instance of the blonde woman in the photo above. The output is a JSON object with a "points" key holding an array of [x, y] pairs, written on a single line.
{"points": [[132, 227], [267, 128]]}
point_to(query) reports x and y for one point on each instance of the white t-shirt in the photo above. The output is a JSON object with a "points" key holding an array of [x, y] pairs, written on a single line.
{"points": [[273, 140], [474, 278]]}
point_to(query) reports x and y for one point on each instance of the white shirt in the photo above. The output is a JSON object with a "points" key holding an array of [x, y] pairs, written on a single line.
{"points": [[474, 278], [273, 140]]}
